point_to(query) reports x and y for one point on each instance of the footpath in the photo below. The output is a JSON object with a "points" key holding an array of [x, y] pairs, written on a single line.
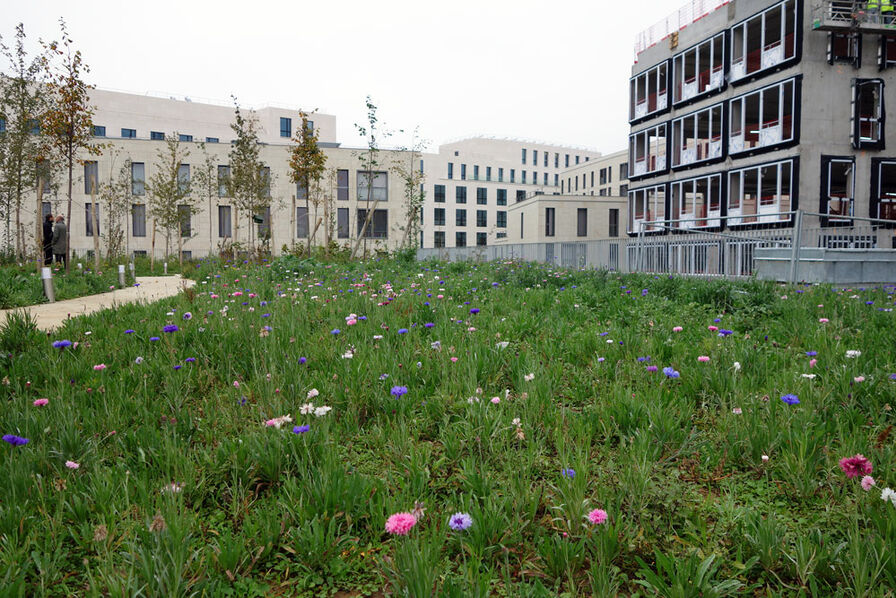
{"points": [[151, 288]]}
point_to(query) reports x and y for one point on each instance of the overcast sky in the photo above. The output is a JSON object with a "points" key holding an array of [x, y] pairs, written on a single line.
{"points": [[549, 71]]}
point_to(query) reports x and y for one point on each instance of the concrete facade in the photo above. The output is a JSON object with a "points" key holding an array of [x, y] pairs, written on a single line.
{"points": [[606, 176], [565, 218], [749, 112]]}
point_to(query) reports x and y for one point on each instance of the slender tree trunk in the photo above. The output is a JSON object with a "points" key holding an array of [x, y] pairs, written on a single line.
{"points": [[180, 249], [292, 222], [152, 250], [20, 240], [236, 232], [96, 232], [308, 218], [39, 223], [68, 218], [209, 226]]}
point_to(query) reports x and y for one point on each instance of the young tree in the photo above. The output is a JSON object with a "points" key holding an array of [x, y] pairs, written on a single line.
{"points": [[169, 192], [369, 162], [207, 185], [68, 122], [22, 149], [307, 167], [249, 183], [412, 177], [115, 194]]}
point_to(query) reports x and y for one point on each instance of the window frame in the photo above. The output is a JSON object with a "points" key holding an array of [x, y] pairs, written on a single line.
{"points": [[767, 52], [825, 196], [774, 140], [853, 43], [138, 217], [225, 225], [857, 120], [875, 200], [362, 175], [481, 218], [438, 193], [581, 222], [646, 216], [763, 214], [438, 217], [710, 218], [713, 150], [550, 222], [660, 161], [687, 91]]}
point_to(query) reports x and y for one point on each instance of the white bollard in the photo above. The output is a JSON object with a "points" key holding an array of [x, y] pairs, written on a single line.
{"points": [[166, 267], [121, 274], [80, 265], [131, 265], [47, 277]]}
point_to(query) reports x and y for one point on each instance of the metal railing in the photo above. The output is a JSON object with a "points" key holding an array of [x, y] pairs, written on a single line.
{"points": [[789, 245]]}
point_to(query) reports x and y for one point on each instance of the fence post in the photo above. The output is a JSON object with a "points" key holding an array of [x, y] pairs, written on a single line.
{"points": [[121, 274], [47, 275], [795, 242], [638, 264]]}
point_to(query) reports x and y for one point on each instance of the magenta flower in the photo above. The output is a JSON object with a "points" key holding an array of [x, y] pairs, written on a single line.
{"points": [[400, 524], [855, 466], [99, 367], [597, 516], [40, 402]]}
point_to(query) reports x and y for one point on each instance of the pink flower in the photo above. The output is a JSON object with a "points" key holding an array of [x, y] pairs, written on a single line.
{"points": [[737, 411], [40, 402], [703, 358], [859, 379], [236, 383], [812, 362], [867, 483], [823, 320], [351, 322], [597, 516], [454, 360], [400, 524], [855, 466], [72, 465], [677, 329], [496, 400], [713, 328], [99, 367]]}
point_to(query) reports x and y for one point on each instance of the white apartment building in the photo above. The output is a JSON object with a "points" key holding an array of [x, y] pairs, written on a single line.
{"points": [[471, 183], [606, 176]]}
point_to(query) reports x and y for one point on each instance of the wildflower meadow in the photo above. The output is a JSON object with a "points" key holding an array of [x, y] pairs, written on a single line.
{"points": [[300, 428]]}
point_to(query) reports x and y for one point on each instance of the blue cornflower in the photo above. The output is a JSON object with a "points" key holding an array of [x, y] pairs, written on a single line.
{"points": [[670, 372], [170, 328], [335, 331], [187, 316], [129, 331], [402, 331], [643, 359], [428, 325], [62, 344], [303, 360], [811, 353], [190, 360], [791, 399], [474, 310], [460, 521], [300, 429], [153, 338], [568, 472], [724, 332], [15, 440], [177, 367], [398, 391]]}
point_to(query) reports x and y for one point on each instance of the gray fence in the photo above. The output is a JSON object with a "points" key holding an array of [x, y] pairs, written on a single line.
{"points": [[763, 248]]}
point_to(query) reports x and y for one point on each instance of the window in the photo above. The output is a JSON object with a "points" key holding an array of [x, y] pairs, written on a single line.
{"points": [[183, 215], [883, 188], [603, 177], [129, 133], [439, 194], [223, 177], [286, 131], [867, 117], [378, 228], [648, 93], [438, 216], [301, 191], [523, 177], [460, 217], [837, 187], [623, 190], [463, 172], [438, 239], [211, 140], [697, 136], [556, 160], [157, 135], [475, 172], [481, 218], [460, 239], [264, 227], [614, 223], [224, 222], [379, 191], [545, 180], [534, 178], [90, 177], [764, 40], [500, 175], [577, 159], [342, 223], [481, 239], [501, 219], [187, 255], [481, 196], [556, 180], [98, 130], [302, 229], [534, 157], [763, 118], [697, 202], [460, 195], [524, 155], [646, 205], [623, 171], [582, 222], [450, 170], [185, 138], [549, 222], [602, 193], [545, 159], [183, 178], [502, 197], [46, 209], [512, 175], [138, 220], [488, 173], [699, 70], [886, 54], [309, 126], [520, 195], [139, 253], [760, 194], [845, 47], [88, 219], [647, 150], [138, 178]]}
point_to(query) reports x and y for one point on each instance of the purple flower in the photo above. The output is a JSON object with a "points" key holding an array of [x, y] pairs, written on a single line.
{"points": [[892, 376], [177, 367], [170, 328], [187, 315], [428, 325], [129, 331], [383, 376], [670, 372], [725, 332], [190, 360], [300, 429], [398, 391], [460, 521], [568, 472], [335, 331], [474, 310], [790, 399], [303, 360], [153, 338], [62, 344], [402, 331], [811, 353], [652, 368], [15, 440], [643, 359]]}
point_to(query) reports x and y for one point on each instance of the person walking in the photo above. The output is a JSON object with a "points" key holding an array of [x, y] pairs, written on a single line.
{"points": [[48, 240], [60, 241]]}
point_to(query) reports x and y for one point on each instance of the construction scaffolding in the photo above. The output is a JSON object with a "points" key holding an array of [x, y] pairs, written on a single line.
{"points": [[846, 16]]}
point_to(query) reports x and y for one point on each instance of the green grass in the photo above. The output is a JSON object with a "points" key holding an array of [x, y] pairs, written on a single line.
{"points": [[183, 490], [21, 286]]}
